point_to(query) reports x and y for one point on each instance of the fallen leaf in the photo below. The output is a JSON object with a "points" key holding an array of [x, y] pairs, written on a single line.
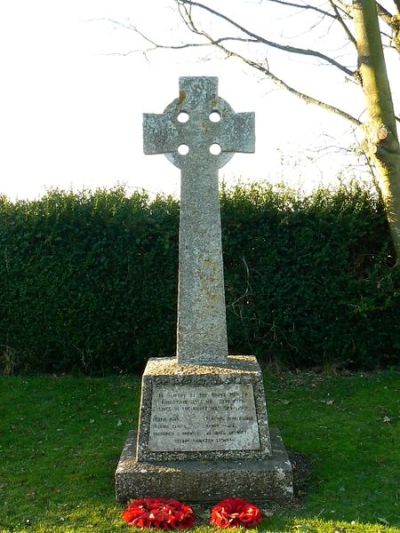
{"points": [[268, 513], [383, 521]]}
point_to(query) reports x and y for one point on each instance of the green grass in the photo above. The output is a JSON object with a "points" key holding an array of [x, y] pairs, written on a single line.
{"points": [[60, 440]]}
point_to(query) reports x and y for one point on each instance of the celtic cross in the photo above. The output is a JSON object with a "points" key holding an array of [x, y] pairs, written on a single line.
{"points": [[199, 133]]}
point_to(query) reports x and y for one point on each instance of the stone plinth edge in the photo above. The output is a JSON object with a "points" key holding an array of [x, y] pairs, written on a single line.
{"points": [[269, 480]]}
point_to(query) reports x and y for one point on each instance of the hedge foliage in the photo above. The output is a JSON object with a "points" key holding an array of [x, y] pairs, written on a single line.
{"points": [[88, 281]]}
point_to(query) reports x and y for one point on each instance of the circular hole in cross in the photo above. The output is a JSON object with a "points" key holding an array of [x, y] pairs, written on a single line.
{"points": [[183, 149], [215, 116], [215, 149], [183, 117]]}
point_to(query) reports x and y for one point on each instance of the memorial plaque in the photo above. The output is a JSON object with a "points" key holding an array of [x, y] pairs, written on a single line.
{"points": [[203, 418]]}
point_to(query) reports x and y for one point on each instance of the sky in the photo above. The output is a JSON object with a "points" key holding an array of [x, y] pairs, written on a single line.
{"points": [[73, 92]]}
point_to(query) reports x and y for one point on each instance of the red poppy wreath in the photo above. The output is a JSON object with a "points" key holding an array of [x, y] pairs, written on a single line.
{"points": [[159, 513], [235, 512]]}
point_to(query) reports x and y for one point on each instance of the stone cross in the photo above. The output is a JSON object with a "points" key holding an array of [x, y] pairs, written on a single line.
{"points": [[199, 133]]}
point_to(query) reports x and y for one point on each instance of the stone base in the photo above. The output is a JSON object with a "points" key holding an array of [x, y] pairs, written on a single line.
{"points": [[202, 412], [269, 480]]}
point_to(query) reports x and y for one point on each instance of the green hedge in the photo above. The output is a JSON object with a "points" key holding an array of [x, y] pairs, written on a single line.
{"points": [[88, 281]]}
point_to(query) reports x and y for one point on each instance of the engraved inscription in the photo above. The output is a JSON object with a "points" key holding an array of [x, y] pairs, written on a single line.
{"points": [[203, 418]]}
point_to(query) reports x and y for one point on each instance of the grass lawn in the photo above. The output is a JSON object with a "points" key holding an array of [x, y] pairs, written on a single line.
{"points": [[60, 440]]}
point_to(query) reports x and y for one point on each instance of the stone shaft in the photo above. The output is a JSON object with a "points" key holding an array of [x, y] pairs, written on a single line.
{"points": [[201, 330]]}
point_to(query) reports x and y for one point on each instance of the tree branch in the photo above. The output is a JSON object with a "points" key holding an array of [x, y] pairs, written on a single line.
{"points": [[281, 83], [345, 8], [258, 66], [272, 44], [303, 6], [384, 14], [159, 46], [393, 21], [339, 17]]}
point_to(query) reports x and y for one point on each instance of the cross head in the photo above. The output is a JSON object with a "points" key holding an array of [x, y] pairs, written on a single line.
{"points": [[195, 123]]}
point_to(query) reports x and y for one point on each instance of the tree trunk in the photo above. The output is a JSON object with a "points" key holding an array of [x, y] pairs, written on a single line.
{"points": [[381, 133]]}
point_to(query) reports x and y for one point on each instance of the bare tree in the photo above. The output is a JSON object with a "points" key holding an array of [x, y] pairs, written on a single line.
{"points": [[381, 132], [362, 30]]}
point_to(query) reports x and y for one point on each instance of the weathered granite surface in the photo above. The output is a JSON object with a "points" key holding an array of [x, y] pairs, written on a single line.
{"points": [[190, 412], [267, 480], [201, 328]]}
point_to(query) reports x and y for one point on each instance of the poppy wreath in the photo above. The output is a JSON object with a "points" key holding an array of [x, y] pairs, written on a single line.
{"points": [[160, 513], [235, 512]]}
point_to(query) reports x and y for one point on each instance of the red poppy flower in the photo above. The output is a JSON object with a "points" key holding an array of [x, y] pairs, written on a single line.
{"points": [[235, 512], [160, 513]]}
